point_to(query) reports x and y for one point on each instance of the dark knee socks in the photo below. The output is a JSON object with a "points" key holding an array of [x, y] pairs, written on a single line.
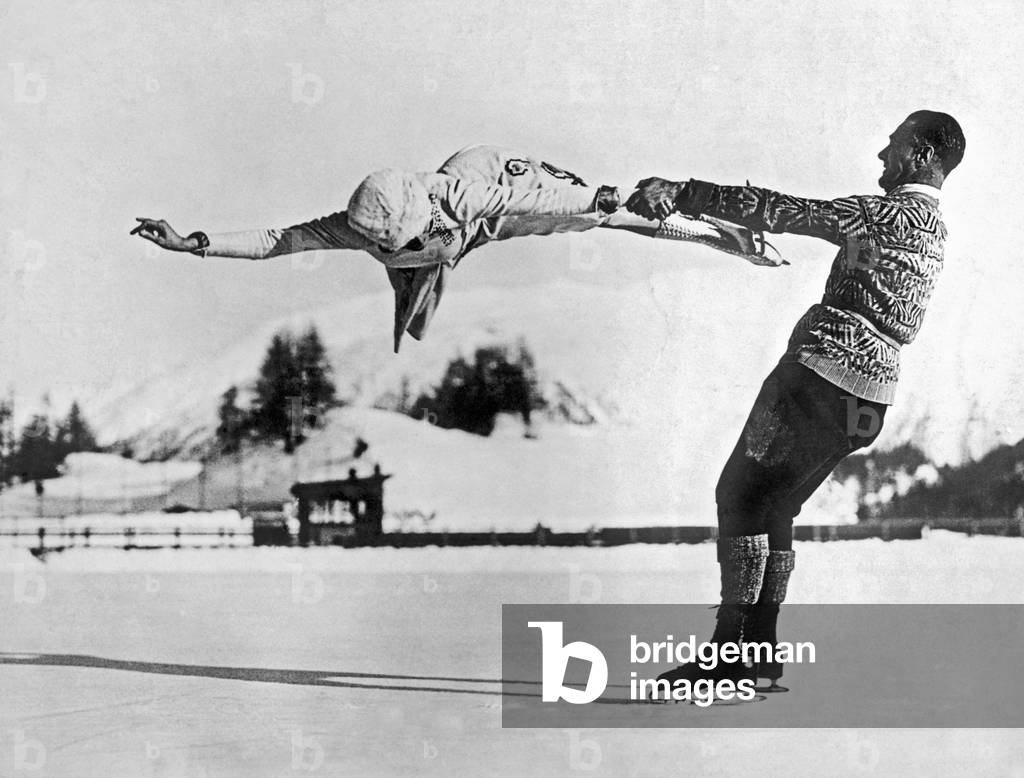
{"points": [[765, 614], [777, 570], [742, 560]]}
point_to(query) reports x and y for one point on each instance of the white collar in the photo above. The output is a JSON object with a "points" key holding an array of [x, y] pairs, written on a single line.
{"points": [[925, 189]]}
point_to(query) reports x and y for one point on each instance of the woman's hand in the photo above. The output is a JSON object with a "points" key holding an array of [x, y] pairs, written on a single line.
{"points": [[162, 234]]}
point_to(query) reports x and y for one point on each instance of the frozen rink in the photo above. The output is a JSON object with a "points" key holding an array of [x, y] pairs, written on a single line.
{"points": [[255, 662]]}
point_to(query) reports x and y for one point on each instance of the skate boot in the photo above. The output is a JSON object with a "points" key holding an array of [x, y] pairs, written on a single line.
{"points": [[742, 562], [728, 629], [765, 614], [722, 235]]}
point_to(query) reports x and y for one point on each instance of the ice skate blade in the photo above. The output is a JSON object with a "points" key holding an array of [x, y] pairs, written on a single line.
{"points": [[759, 697]]}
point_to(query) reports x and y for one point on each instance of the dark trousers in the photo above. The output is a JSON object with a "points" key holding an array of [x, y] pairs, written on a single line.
{"points": [[799, 429]]}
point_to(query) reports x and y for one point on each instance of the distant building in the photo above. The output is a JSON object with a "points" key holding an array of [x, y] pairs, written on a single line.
{"points": [[341, 512]]}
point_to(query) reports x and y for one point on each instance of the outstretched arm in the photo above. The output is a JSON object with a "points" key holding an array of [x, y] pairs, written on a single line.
{"points": [[470, 202], [330, 232], [751, 206]]}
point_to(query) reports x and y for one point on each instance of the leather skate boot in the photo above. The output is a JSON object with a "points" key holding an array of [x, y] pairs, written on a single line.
{"points": [[742, 563]]}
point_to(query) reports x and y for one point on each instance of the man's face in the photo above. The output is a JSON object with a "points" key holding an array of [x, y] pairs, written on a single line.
{"points": [[897, 157]]}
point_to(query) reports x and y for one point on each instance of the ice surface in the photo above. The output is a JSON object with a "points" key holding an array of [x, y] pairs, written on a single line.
{"points": [[272, 661]]}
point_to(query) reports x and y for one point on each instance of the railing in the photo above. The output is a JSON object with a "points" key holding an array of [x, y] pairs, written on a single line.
{"points": [[44, 541], [41, 540], [884, 529]]}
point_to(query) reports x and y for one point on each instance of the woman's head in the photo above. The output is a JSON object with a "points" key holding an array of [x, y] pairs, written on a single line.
{"points": [[391, 208]]}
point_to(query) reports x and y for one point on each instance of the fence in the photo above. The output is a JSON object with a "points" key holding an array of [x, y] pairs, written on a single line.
{"points": [[884, 529], [274, 531], [40, 541]]}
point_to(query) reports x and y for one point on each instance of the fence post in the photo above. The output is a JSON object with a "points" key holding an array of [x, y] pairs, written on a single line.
{"points": [[42, 538], [177, 537], [86, 534]]}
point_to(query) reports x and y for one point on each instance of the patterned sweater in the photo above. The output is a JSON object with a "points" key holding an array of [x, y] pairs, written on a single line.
{"points": [[890, 255]]}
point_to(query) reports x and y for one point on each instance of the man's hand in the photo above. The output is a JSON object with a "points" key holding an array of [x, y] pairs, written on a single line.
{"points": [[654, 198], [162, 234]]}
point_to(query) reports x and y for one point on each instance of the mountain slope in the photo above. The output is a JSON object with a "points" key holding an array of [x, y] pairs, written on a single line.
{"points": [[683, 353]]}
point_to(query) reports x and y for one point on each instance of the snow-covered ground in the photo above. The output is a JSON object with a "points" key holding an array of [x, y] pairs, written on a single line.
{"points": [[569, 478], [279, 661]]}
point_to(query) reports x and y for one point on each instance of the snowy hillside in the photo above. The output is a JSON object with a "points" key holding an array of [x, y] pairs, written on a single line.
{"points": [[682, 354], [657, 375]]}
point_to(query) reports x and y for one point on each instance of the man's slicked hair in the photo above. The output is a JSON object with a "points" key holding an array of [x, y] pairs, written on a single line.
{"points": [[942, 132]]}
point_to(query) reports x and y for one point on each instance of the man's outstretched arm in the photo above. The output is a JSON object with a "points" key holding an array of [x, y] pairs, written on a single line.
{"points": [[753, 207], [329, 232]]}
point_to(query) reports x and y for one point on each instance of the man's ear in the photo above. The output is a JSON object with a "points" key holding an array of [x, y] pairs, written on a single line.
{"points": [[924, 154]]}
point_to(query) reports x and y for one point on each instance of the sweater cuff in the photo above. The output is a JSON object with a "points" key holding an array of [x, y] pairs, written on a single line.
{"points": [[248, 244], [695, 198]]}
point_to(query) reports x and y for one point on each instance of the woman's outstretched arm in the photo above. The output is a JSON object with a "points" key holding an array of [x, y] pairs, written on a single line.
{"points": [[329, 232]]}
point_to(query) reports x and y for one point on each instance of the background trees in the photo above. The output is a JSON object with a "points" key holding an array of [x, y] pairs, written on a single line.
{"points": [[291, 393], [472, 394]]}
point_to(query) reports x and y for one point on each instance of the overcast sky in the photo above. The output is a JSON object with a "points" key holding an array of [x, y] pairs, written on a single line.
{"points": [[222, 116]]}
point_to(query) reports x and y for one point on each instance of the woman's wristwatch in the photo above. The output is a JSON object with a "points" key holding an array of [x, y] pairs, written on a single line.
{"points": [[202, 240]]}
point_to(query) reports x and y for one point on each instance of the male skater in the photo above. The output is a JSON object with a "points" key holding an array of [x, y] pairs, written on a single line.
{"points": [[419, 225], [828, 395]]}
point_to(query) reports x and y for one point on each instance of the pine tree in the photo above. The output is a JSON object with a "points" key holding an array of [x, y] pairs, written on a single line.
{"points": [[36, 456], [470, 396], [294, 388], [73, 434], [318, 390], [7, 442], [233, 422], [279, 379]]}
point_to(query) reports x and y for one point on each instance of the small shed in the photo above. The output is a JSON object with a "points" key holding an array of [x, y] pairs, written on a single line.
{"points": [[348, 511]]}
